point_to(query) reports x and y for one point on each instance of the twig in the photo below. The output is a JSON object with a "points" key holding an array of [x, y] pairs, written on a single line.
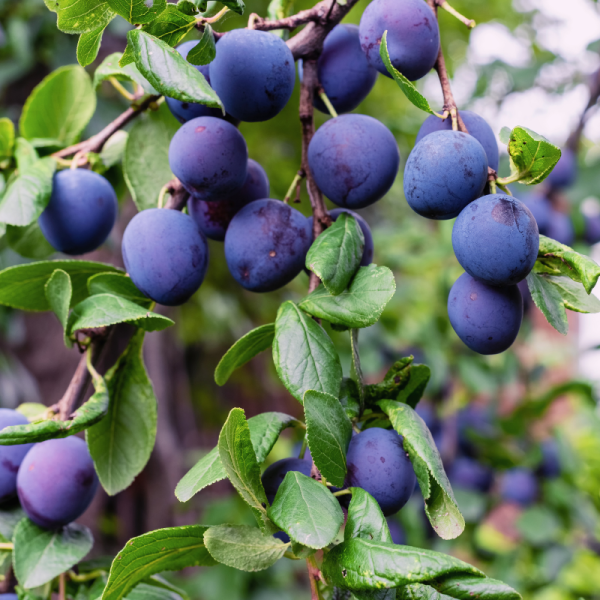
{"points": [[470, 23], [178, 195], [294, 188], [314, 575], [62, 588], [121, 89], [327, 102]]}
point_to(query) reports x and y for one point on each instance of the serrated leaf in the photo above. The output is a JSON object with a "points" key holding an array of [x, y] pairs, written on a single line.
{"points": [[245, 349], [138, 12], [336, 254], [60, 106], [23, 286], [329, 431], [88, 46], [410, 91], [440, 505], [306, 510], [41, 555], [243, 547], [7, 137], [208, 470], [395, 380], [28, 241], [59, 291], [26, 197], [205, 50], [187, 7], [169, 549], [122, 442], [360, 305], [118, 284], [349, 397], [109, 67], [505, 135], [236, 6], [304, 355], [547, 298], [573, 295], [25, 154], [415, 388], [365, 518], [80, 16], [467, 587]]}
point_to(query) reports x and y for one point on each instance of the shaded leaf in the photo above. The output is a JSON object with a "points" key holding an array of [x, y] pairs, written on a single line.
{"points": [[58, 292], [89, 46], [415, 388], [547, 298], [138, 11], [237, 6], [118, 284], [467, 587], [395, 380], [365, 519], [29, 241], [7, 137], [205, 50], [109, 67], [80, 16]]}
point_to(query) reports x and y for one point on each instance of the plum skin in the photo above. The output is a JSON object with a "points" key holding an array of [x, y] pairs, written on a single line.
{"points": [[519, 485], [445, 172], [469, 474], [354, 160], [81, 212], [56, 482], [496, 240], [378, 463], [165, 254], [11, 457], [210, 157], [266, 245], [487, 319]]}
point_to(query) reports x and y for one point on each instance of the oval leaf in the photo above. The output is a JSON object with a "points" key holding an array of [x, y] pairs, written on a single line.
{"points": [[80, 16], [117, 284], [466, 587], [365, 519], [138, 11], [58, 292]]}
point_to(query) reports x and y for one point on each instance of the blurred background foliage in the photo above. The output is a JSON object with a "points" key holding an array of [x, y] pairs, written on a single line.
{"points": [[531, 394]]}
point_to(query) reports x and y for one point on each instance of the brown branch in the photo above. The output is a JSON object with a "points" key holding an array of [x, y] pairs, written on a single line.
{"points": [[302, 18], [179, 195], [314, 575]]}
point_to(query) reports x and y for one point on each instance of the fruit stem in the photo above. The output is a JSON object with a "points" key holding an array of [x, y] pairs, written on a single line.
{"points": [[121, 89], [327, 102], [161, 196], [303, 448], [214, 19], [342, 493], [86, 577], [470, 23], [503, 188], [6, 546], [295, 187]]}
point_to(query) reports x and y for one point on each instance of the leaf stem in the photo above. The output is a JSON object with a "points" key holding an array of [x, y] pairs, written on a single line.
{"points": [[327, 102], [470, 23], [295, 187], [210, 20], [342, 493], [121, 89], [503, 188], [62, 588], [6, 546], [161, 196], [86, 577], [303, 448]]}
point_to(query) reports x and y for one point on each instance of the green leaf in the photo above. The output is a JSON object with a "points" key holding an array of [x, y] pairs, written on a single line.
{"points": [[440, 505], [205, 50], [504, 135], [358, 306], [118, 284], [547, 298], [89, 46], [41, 555], [539, 526], [10, 516], [329, 432], [467, 587], [307, 511], [356, 373], [419, 591], [7, 137], [168, 72], [80, 16], [25, 154], [410, 91], [146, 591], [349, 397], [415, 388], [395, 379], [59, 291], [26, 197], [138, 11], [336, 254], [187, 7], [279, 9], [573, 295], [29, 241], [114, 149], [243, 547], [361, 564], [208, 470], [23, 286], [146, 166], [109, 67], [102, 310], [304, 355], [59, 107], [235, 5], [122, 442], [169, 549], [365, 519], [246, 348]]}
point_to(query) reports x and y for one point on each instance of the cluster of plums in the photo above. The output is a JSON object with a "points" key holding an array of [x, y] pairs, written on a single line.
{"points": [[55, 480]]}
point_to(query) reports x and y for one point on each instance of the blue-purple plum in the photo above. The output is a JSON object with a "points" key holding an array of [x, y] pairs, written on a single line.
{"points": [[210, 158], [565, 171], [378, 463], [57, 482], [445, 172], [560, 228], [427, 412], [541, 208], [519, 485], [213, 218], [469, 474], [397, 532], [9, 597], [354, 160], [592, 229], [550, 466], [477, 420], [274, 474], [165, 254], [486, 318], [253, 74], [81, 212], [11, 456], [413, 37], [496, 239], [266, 245], [478, 127]]}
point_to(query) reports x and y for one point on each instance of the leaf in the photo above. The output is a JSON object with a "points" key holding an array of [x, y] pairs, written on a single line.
{"points": [[23, 286], [304, 355], [306, 510], [109, 67], [409, 89], [356, 373], [122, 442], [60, 106], [329, 432], [547, 298], [41, 555], [415, 388], [7, 137], [243, 547], [246, 348], [29, 241], [25, 154], [573, 295], [365, 519], [395, 379], [349, 397], [10, 516], [102, 310], [504, 135], [440, 505], [360, 564], [236, 6], [205, 50], [336, 254], [169, 549], [80, 16], [89, 46], [138, 11], [467, 587], [168, 72], [59, 290], [146, 166], [187, 7], [118, 284], [146, 591], [208, 470], [114, 149], [419, 591], [358, 306], [27, 196]]}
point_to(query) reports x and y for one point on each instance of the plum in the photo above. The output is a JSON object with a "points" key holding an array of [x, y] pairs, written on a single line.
{"points": [[11, 457]]}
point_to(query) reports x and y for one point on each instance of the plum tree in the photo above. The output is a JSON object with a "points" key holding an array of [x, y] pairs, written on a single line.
{"points": [[487, 319], [266, 245], [165, 254], [213, 218], [81, 212], [413, 36], [520, 486], [565, 172], [478, 127], [469, 474], [496, 240], [354, 160], [210, 157], [378, 463], [274, 474], [253, 74], [344, 71], [11, 456], [444, 172], [57, 482]]}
